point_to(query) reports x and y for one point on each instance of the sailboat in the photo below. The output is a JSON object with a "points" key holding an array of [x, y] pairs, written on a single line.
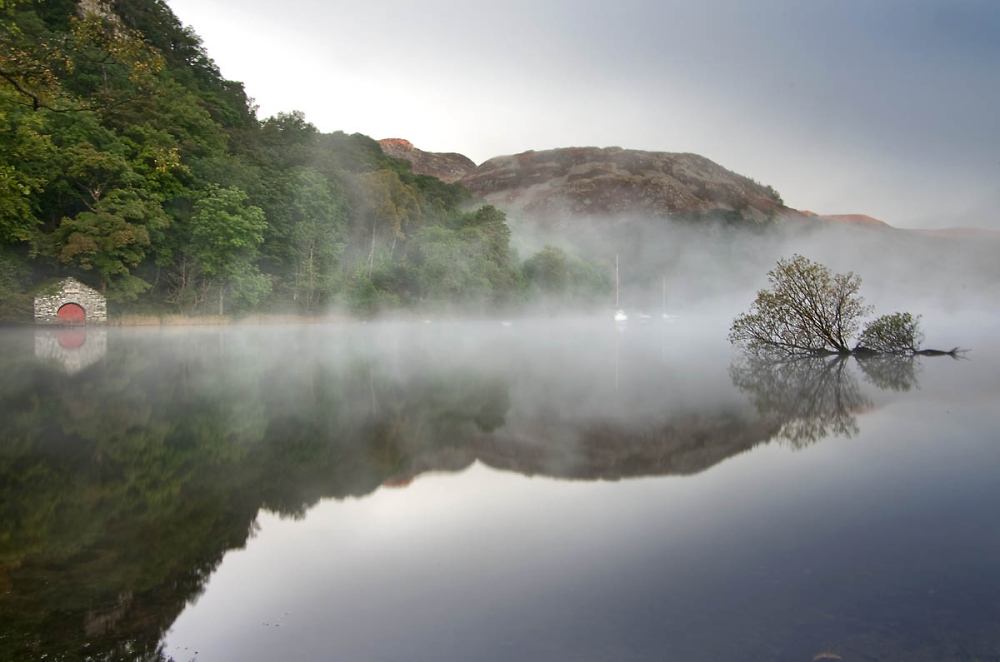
{"points": [[665, 315], [620, 316]]}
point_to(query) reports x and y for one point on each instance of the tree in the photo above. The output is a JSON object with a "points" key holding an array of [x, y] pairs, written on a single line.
{"points": [[112, 238], [225, 233], [25, 163], [807, 310], [898, 333], [548, 269], [392, 200], [452, 267], [119, 208], [318, 217], [96, 63]]}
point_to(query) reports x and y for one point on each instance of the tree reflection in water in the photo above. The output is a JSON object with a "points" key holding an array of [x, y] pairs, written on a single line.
{"points": [[817, 396], [123, 485], [891, 372]]}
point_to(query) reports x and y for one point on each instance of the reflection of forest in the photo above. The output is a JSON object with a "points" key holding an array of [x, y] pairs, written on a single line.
{"points": [[123, 485]]}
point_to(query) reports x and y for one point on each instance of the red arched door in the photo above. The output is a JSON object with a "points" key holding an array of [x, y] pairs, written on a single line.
{"points": [[72, 313]]}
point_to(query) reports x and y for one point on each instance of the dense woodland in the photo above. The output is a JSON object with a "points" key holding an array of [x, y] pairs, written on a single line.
{"points": [[129, 162]]}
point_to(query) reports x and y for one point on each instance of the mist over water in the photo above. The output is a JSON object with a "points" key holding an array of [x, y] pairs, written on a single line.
{"points": [[539, 488], [714, 268]]}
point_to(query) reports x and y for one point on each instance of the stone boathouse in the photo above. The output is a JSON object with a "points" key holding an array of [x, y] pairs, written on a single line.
{"points": [[71, 302]]}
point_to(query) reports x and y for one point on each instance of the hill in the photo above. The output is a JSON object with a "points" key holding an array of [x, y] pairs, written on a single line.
{"points": [[559, 184], [449, 167]]}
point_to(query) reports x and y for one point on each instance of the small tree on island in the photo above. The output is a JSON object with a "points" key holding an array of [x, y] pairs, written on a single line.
{"points": [[810, 311]]}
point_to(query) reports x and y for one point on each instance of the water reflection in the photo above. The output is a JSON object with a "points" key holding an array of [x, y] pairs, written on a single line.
{"points": [[75, 348], [815, 397], [891, 373], [123, 485]]}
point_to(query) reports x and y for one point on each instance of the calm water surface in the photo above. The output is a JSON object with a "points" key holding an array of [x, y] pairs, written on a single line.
{"points": [[477, 491]]}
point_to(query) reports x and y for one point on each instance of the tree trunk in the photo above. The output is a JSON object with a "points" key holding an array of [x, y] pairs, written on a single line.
{"points": [[311, 295], [371, 253]]}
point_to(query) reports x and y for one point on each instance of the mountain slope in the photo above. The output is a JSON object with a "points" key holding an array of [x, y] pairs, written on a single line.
{"points": [[589, 181], [449, 167]]}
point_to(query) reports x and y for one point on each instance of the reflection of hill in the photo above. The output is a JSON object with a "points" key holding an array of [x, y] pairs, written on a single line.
{"points": [[606, 450], [122, 486]]}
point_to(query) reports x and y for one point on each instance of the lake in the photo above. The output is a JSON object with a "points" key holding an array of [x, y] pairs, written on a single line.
{"points": [[531, 490]]}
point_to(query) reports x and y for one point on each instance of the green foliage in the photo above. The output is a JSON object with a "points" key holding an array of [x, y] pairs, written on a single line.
{"points": [[73, 64], [807, 310], [467, 262], [773, 193], [556, 274], [389, 200], [24, 156], [366, 298], [15, 303], [588, 283], [111, 239], [226, 233], [898, 333], [548, 270], [319, 219], [125, 153]]}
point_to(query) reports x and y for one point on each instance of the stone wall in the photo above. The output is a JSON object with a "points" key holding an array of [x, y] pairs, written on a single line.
{"points": [[71, 291]]}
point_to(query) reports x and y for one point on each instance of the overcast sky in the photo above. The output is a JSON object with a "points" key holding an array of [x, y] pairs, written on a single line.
{"points": [[883, 107]]}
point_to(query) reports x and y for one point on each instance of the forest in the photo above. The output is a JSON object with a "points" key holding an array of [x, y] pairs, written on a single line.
{"points": [[129, 162]]}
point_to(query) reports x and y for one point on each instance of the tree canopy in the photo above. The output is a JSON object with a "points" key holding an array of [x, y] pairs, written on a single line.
{"points": [[808, 310], [129, 162]]}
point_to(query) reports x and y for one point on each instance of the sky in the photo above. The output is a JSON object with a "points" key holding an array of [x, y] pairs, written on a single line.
{"points": [[882, 107]]}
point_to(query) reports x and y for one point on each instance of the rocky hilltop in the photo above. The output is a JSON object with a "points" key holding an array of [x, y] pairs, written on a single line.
{"points": [[574, 182], [611, 181], [449, 167], [583, 188]]}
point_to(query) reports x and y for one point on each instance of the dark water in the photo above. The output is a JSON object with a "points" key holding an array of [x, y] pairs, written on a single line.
{"points": [[475, 491]]}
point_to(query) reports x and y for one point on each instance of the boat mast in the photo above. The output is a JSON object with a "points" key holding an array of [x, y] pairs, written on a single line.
{"points": [[616, 281]]}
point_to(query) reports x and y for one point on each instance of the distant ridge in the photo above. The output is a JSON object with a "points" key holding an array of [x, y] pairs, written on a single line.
{"points": [[571, 182], [965, 233], [857, 219]]}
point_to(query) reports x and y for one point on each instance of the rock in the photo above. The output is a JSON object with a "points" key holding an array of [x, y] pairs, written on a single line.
{"points": [[448, 167]]}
